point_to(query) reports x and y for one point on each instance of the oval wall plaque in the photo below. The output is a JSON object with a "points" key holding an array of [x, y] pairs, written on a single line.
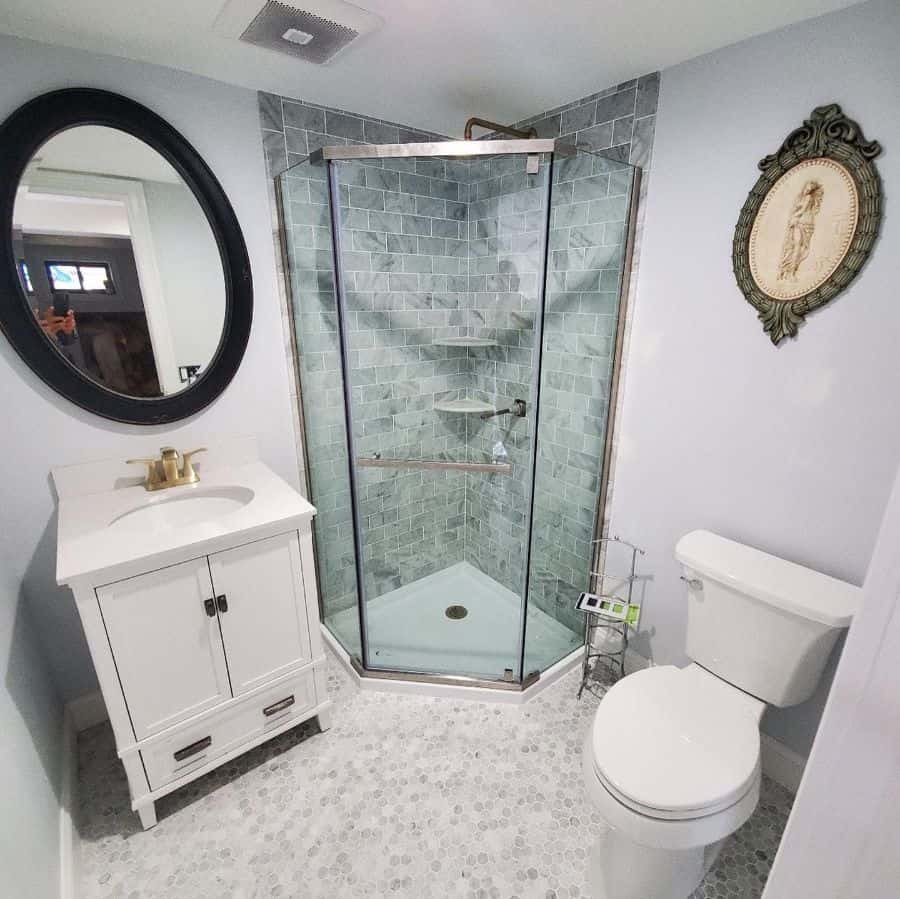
{"points": [[810, 221]]}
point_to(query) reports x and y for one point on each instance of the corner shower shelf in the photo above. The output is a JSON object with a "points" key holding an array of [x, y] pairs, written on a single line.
{"points": [[465, 341], [464, 407]]}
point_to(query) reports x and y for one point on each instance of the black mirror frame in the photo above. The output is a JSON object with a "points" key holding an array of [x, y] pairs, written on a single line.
{"points": [[21, 135]]}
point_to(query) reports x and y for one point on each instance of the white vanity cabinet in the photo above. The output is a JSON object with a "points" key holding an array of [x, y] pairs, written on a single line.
{"points": [[203, 655], [186, 638], [167, 650], [261, 647]]}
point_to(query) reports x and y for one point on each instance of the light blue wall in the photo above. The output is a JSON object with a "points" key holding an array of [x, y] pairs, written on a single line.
{"points": [[791, 449], [43, 429], [30, 761]]}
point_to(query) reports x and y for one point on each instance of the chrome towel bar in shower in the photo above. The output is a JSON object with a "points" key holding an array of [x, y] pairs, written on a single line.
{"points": [[435, 464]]}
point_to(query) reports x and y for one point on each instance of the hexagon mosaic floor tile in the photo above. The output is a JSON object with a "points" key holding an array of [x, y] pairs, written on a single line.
{"points": [[406, 796]]}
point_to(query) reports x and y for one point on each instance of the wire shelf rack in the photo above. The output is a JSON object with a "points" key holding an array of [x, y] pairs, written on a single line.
{"points": [[608, 616]]}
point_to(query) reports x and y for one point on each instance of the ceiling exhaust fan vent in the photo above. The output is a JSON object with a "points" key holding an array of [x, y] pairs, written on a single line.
{"points": [[315, 32]]}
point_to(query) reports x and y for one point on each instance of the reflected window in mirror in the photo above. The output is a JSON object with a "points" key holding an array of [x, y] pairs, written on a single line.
{"points": [[25, 277], [80, 277], [119, 262], [126, 283]]}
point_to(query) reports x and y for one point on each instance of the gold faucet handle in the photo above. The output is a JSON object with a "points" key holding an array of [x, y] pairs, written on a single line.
{"points": [[187, 467], [168, 464], [152, 470]]}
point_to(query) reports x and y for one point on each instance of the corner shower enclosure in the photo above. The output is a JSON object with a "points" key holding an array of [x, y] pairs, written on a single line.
{"points": [[438, 291]]}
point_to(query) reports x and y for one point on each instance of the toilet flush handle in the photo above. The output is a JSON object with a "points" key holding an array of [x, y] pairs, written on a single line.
{"points": [[693, 582]]}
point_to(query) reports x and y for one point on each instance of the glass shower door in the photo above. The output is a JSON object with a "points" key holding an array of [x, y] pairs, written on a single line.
{"points": [[440, 291], [307, 233], [592, 199]]}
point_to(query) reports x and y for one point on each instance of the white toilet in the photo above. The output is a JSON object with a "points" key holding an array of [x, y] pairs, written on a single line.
{"points": [[672, 759]]}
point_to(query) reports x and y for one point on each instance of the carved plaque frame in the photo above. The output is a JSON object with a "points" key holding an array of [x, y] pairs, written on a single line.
{"points": [[826, 135]]}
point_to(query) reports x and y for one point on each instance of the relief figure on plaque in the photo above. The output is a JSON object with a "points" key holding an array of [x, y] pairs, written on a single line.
{"points": [[800, 227]]}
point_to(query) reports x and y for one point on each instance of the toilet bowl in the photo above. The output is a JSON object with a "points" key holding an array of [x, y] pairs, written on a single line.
{"points": [[672, 764], [672, 759]]}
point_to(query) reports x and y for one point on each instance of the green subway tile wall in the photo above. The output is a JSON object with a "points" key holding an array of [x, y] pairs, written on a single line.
{"points": [[587, 250], [431, 249], [402, 230]]}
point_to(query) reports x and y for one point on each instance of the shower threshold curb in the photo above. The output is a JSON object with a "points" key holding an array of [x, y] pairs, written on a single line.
{"points": [[453, 688]]}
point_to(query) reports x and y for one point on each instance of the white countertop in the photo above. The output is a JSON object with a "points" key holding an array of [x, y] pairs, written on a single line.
{"points": [[89, 549]]}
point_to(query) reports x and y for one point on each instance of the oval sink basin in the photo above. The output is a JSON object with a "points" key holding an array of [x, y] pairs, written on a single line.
{"points": [[185, 509]]}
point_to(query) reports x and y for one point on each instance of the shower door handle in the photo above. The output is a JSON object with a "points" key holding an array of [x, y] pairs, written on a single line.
{"points": [[375, 461]]}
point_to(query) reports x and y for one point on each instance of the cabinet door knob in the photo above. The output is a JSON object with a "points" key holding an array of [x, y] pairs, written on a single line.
{"points": [[210, 606], [222, 603]]}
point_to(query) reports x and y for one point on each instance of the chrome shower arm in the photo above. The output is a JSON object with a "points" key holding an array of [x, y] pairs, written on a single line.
{"points": [[497, 128], [517, 408]]}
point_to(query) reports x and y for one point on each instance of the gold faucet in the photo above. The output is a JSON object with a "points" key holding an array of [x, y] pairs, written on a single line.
{"points": [[164, 472]]}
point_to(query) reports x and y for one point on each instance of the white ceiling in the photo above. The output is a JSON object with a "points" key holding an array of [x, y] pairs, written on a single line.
{"points": [[57, 214], [105, 151], [434, 62]]}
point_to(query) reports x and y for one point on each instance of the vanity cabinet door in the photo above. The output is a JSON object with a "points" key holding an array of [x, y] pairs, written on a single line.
{"points": [[167, 646], [262, 610]]}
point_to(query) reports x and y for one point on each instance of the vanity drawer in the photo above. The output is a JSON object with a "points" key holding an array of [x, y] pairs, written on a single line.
{"points": [[195, 745]]}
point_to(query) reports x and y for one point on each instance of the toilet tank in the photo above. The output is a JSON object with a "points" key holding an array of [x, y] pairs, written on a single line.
{"points": [[761, 623]]}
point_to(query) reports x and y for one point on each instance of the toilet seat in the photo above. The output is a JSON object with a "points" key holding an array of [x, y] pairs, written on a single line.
{"points": [[676, 743], [646, 829], [667, 814]]}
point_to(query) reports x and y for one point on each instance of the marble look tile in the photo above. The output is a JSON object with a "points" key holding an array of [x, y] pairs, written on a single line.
{"points": [[270, 118], [549, 126], [275, 152], [295, 138], [616, 105], [344, 125], [299, 115], [579, 117], [642, 141], [405, 796], [597, 137], [647, 95], [380, 133]]}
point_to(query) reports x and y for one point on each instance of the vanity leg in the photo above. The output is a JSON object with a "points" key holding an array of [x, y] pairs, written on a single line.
{"points": [[324, 717], [148, 815]]}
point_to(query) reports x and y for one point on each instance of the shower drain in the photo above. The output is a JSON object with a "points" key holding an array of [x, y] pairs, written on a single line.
{"points": [[456, 612]]}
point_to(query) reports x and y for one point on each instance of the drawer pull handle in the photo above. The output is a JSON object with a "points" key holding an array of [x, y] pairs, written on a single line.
{"points": [[222, 603], [279, 706], [193, 749], [210, 606]]}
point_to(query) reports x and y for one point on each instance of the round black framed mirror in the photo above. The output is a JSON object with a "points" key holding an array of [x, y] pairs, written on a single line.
{"points": [[125, 282]]}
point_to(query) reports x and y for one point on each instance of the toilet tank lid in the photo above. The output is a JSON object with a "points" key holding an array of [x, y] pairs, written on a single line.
{"points": [[770, 579]]}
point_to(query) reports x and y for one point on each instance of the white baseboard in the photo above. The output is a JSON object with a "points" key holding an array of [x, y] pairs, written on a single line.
{"points": [[87, 710], [78, 715], [69, 840], [781, 763]]}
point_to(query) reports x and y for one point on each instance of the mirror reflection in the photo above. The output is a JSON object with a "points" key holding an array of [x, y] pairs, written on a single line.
{"points": [[118, 262]]}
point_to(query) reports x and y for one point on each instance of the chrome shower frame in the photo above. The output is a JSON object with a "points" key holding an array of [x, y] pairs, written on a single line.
{"points": [[459, 148], [531, 147]]}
